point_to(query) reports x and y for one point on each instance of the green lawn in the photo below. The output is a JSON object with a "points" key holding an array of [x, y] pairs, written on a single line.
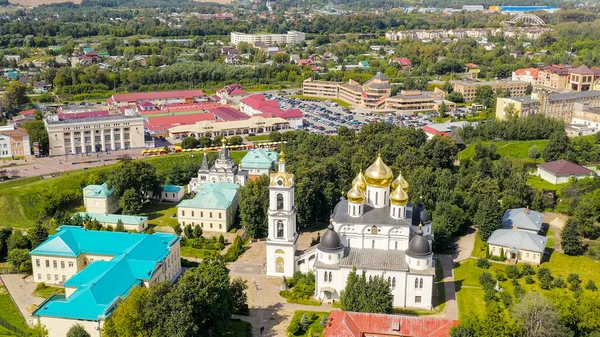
{"points": [[479, 247], [48, 291], [9, 311], [315, 328], [238, 328], [540, 184], [160, 214], [198, 253], [550, 235], [335, 100], [510, 149], [470, 300], [257, 138]]}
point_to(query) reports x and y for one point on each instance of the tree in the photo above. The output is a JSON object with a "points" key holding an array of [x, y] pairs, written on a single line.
{"points": [[591, 285], [441, 151], [488, 217], [189, 143], [254, 203], [37, 235], [197, 231], [15, 96], [240, 299], [275, 136], [484, 94], [534, 152], [442, 109], [511, 112], [559, 147], [137, 175], [545, 277], [130, 202], [39, 330], [537, 317], [37, 133], [20, 260], [204, 142], [570, 238], [304, 321], [17, 241], [120, 227], [236, 249], [236, 140], [456, 97], [362, 295], [77, 331]]}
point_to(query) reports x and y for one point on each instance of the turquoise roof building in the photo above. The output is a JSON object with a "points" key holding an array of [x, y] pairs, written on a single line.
{"points": [[108, 264], [131, 222], [218, 196], [259, 161], [98, 191], [172, 188]]}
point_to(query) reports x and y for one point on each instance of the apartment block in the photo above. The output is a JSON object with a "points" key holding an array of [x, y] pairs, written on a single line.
{"points": [[371, 94], [557, 105], [94, 134], [292, 37], [14, 142], [468, 88]]}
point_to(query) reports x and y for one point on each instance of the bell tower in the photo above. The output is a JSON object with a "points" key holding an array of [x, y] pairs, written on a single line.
{"points": [[282, 238]]}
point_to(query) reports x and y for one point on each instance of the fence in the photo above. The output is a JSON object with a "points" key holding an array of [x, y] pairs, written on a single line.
{"points": [[12, 328]]}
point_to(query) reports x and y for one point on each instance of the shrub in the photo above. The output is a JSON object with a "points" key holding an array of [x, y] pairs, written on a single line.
{"points": [[519, 292], [545, 277], [594, 250], [496, 258], [483, 263], [41, 286], [528, 269], [324, 321], [559, 283], [573, 277], [590, 285], [529, 279], [490, 295], [500, 276], [534, 152], [295, 328], [506, 299], [512, 271], [233, 230], [285, 293], [487, 281], [575, 285], [304, 321]]}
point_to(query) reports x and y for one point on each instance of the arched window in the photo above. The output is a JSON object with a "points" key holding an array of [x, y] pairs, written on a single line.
{"points": [[374, 230], [279, 201], [329, 276], [421, 283], [416, 283], [279, 265], [325, 276], [394, 283], [389, 280], [396, 245], [279, 228]]}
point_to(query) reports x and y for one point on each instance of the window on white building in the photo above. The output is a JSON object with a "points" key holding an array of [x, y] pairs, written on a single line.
{"points": [[330, 277], [417, 299], [55, 277], [47, 263], [70, 264], [39, 277], [416, 283], [325, 276], [421, 283], [49, 277], [62, 264], [37, 262], [394, 283], [54, 264]]}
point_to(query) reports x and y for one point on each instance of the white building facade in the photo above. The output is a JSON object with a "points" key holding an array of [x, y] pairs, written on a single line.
{"points": [[292, 37], [224, 170], [375, 230]]}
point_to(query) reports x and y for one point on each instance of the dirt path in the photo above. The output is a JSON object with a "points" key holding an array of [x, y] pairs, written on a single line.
{"points": [[556, 222]]}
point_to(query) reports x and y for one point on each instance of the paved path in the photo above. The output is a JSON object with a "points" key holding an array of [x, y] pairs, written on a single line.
{"points": [[465, 245], [451, 308], [21, 290]]}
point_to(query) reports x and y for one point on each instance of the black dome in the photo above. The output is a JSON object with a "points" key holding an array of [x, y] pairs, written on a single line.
{"points": [[416, 214], [425, 217], [330, 241], [418, 246]]}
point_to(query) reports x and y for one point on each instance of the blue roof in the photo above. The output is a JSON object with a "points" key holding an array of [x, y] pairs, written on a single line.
{"points": [[218, 195], [114, 218], [259, 159], [172, 188], [523, 218], [102, 283], [98, 191]]}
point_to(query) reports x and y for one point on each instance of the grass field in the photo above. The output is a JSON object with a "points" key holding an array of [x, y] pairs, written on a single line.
{"points": [[9, 312], [540, 184], [48, 291], [160, 214], [335, 100], [257, 138], [470, 294], [510, 149], [197, 253], [16, 196], [315, 328], [550, 235], [479, 247]]}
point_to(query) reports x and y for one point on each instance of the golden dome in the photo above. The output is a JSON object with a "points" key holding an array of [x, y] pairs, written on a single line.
{"points": [[356, 194], [360, 180], [379, 174], [399, 197], [400, 181], [223, 141], [282, 179], [282, 157]]}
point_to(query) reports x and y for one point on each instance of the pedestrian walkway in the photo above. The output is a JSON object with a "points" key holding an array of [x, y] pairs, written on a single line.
{"points": [[21, 290], [451, 308]]}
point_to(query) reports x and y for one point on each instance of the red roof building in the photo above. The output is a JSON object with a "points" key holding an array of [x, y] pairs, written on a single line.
{"points": [[158, 98], [561, 171], [258, 105], [403, 61], [355, 324]]}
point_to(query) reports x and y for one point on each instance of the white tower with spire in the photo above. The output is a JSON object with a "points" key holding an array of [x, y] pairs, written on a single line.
{"points": [[282, 239]]}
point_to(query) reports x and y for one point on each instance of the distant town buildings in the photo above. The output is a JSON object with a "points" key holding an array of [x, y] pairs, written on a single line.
{"points": [[558, 77], [557, 105], [519, 240], [468, 88], [461, 33], [292, 37], [98, 270], [526, 75], [213, 208], [14, 142], [156, 98]]}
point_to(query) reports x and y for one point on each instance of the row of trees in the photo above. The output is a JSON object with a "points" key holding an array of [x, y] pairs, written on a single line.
{"points": [[15, 246]]}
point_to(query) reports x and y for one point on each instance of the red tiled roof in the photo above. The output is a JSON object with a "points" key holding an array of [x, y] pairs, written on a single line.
{"points": [[156, 95], [582, 69], [354, 324], [471, 65], [305, 62], [226, 113], [564, 168], [403, 61], [167, 122], [269, 108], [434, 131], [27, 112], [532, 71]]}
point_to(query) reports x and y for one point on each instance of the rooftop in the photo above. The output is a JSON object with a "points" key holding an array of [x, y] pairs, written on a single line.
{"points": [[521, 240], [565, 168], [378, 216], [377, 259], [155, 95], [212, 196], [102, 284], [573, 95], [172, 188], [523, 218], [114, 218], [98, 191], [259, 159], [67, 120]]}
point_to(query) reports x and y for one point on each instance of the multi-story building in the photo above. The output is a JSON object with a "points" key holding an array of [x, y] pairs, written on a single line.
{"points": [[461, 33], [557, 105], [416, 100], [468, 88], [98, 270], [130, 222], [370, 95], [100, 199], [558, 77], [94, 134], [259, 162], [14, 142], [213, 208], [526, 75], [292, 37]]}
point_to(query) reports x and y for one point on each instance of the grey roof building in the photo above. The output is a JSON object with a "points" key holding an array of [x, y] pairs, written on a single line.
{"points": [[523, 219], [520, 240]]}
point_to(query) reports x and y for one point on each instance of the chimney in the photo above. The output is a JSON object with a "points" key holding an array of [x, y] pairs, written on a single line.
{"points": [[526, 209], [515, 227]]}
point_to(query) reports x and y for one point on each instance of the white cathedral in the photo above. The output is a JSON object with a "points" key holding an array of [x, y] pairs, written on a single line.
{"points": [[224, 170], [375, 230]]}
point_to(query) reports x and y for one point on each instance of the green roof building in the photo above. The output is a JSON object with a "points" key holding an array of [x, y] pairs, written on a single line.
{"points": [[213, 207], [259, 162], [100, 199]]}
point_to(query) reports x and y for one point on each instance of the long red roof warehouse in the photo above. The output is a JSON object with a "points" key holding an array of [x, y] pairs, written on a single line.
{"points": [[155, 95]]}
